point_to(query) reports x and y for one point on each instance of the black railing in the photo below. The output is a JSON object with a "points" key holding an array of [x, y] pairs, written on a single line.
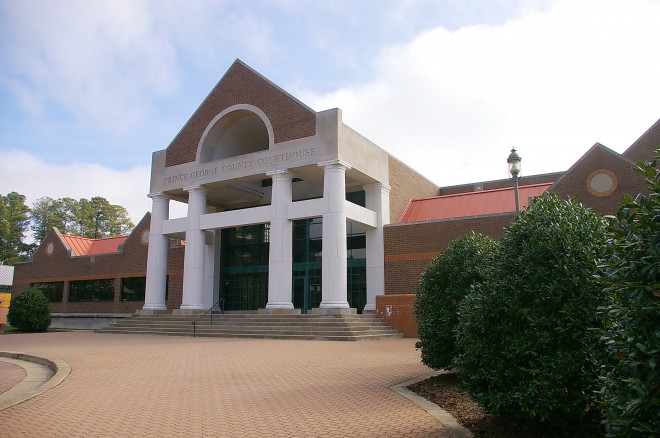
{"points": [[210, 309]]}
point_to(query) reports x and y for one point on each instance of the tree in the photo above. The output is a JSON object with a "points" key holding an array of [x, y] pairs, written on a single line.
{"points": [[30, 311], [444, 284], [528, 350], [48, 213], [14, 222], [97, 218], [631, 272], [93, 218]]}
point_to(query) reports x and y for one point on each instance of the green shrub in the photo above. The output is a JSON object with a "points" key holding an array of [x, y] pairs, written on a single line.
{"points": [[29, 311], [631, 377], [526, 350], [445, 282]]}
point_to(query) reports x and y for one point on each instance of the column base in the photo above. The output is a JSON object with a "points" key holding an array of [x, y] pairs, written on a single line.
{"points": [[279, 305], [333, 311], [189, 311], [369, 308], [151, 311], [334, 305], [278, 311]]}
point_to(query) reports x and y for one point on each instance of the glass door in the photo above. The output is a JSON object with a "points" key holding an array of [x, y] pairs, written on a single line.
{"points": [[300, 300]]}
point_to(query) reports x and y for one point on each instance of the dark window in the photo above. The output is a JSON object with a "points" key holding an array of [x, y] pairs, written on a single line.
{"points": [[132, 289], [247, 246], [307, 240], [91, 290], [245, 258], [356, 247], [53, 291], [357, 285], [356, 198], [247, 290]]}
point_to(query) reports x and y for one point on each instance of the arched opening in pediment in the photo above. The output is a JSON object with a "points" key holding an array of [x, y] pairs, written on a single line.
{"points": [[235, 132]]}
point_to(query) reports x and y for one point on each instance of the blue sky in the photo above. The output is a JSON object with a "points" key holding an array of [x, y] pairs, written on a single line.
{"points": [[89, 89]]}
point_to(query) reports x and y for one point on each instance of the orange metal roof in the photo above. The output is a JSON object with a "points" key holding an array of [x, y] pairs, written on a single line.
{"points": [[470, 204], [82, 246]]}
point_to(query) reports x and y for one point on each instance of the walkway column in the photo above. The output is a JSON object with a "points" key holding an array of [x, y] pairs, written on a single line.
{"points": [[334, 259], [193, 261], [212, 268], [377, 198], [280, 254], [155, 289]]}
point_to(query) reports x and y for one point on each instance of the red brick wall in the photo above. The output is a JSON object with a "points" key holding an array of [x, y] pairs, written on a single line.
{"points": [[290, 119], [409, 248], [575, 181], [131, 262], [397, 311], [406, 184], [644, 148]]}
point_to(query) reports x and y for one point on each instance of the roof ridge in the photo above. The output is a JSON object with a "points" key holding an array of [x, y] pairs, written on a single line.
{"points": [[93, 239], [482, 191]]}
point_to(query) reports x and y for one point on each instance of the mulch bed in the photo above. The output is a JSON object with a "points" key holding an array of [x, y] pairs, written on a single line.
{"points": [[444, 391]]}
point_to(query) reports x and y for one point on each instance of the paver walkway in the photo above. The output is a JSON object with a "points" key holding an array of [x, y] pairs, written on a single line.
{"points": [[10, 376], [156, 386]]}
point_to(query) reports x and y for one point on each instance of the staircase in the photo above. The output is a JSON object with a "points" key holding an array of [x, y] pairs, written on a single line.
{"points": [[350, 327]]}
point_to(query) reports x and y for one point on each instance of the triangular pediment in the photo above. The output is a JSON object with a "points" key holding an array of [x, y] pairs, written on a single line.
{"points": [[241, 85]]}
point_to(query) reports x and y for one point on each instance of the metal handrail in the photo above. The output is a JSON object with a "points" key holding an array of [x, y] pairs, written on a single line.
{"points": [[221, 300]]}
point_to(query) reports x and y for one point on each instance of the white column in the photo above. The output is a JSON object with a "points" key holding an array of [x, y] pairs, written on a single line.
{"points": [[193, 262], [334, 260], [280, 257], [154, 293], [211, 268], [377, 198]]}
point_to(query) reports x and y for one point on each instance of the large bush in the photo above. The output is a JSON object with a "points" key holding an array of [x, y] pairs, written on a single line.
{"points": [[29, 311], [527, 351], [631, 376], [445, 282]]}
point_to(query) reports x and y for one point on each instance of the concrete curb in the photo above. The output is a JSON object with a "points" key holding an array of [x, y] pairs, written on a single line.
{"points": [[444, 417], [42, 374]]}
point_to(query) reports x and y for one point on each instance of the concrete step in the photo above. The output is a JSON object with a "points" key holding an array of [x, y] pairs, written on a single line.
{"points": [[133, 322], [256, 335], [253, 325]]}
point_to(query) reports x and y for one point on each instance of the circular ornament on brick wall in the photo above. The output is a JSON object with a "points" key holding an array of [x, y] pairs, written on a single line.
{"points": [[145, 237], [50, 248], [601, 182]]}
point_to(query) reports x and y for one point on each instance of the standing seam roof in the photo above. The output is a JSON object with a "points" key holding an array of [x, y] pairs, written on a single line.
{"points": [[470, 204], [83, 246]]}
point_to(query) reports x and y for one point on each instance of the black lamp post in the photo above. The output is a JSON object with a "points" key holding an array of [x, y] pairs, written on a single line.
{"points": [[514, 169]]}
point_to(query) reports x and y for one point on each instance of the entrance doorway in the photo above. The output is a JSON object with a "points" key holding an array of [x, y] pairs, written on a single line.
{"points": [[306, 289]]}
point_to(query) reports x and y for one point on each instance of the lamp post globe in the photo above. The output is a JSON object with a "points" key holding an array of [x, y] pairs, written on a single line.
{"points": [[514, 162], [514, 169]]}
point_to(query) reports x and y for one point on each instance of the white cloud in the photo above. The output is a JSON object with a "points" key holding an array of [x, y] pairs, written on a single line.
{"points": [[97, 60], [452, 103], [28, 175]]}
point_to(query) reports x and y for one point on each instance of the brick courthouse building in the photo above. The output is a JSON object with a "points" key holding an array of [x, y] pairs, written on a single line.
{"points": [[290, 210]]}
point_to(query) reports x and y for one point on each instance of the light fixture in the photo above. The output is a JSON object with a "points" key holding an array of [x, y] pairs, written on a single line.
{"points": [[514, 169]]}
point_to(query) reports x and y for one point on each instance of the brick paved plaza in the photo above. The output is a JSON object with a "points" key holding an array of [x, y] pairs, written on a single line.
{"points": [[157, 386]]}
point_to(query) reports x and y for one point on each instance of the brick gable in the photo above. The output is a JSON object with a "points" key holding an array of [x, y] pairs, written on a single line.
{"points": [[290, 118], [644, 147], [575, 182]]}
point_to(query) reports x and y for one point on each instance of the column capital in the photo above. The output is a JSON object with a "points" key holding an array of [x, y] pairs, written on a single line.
{"points": [[195, 188], [280, 173], [158, 195], [335, 164], [377, 187]]}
